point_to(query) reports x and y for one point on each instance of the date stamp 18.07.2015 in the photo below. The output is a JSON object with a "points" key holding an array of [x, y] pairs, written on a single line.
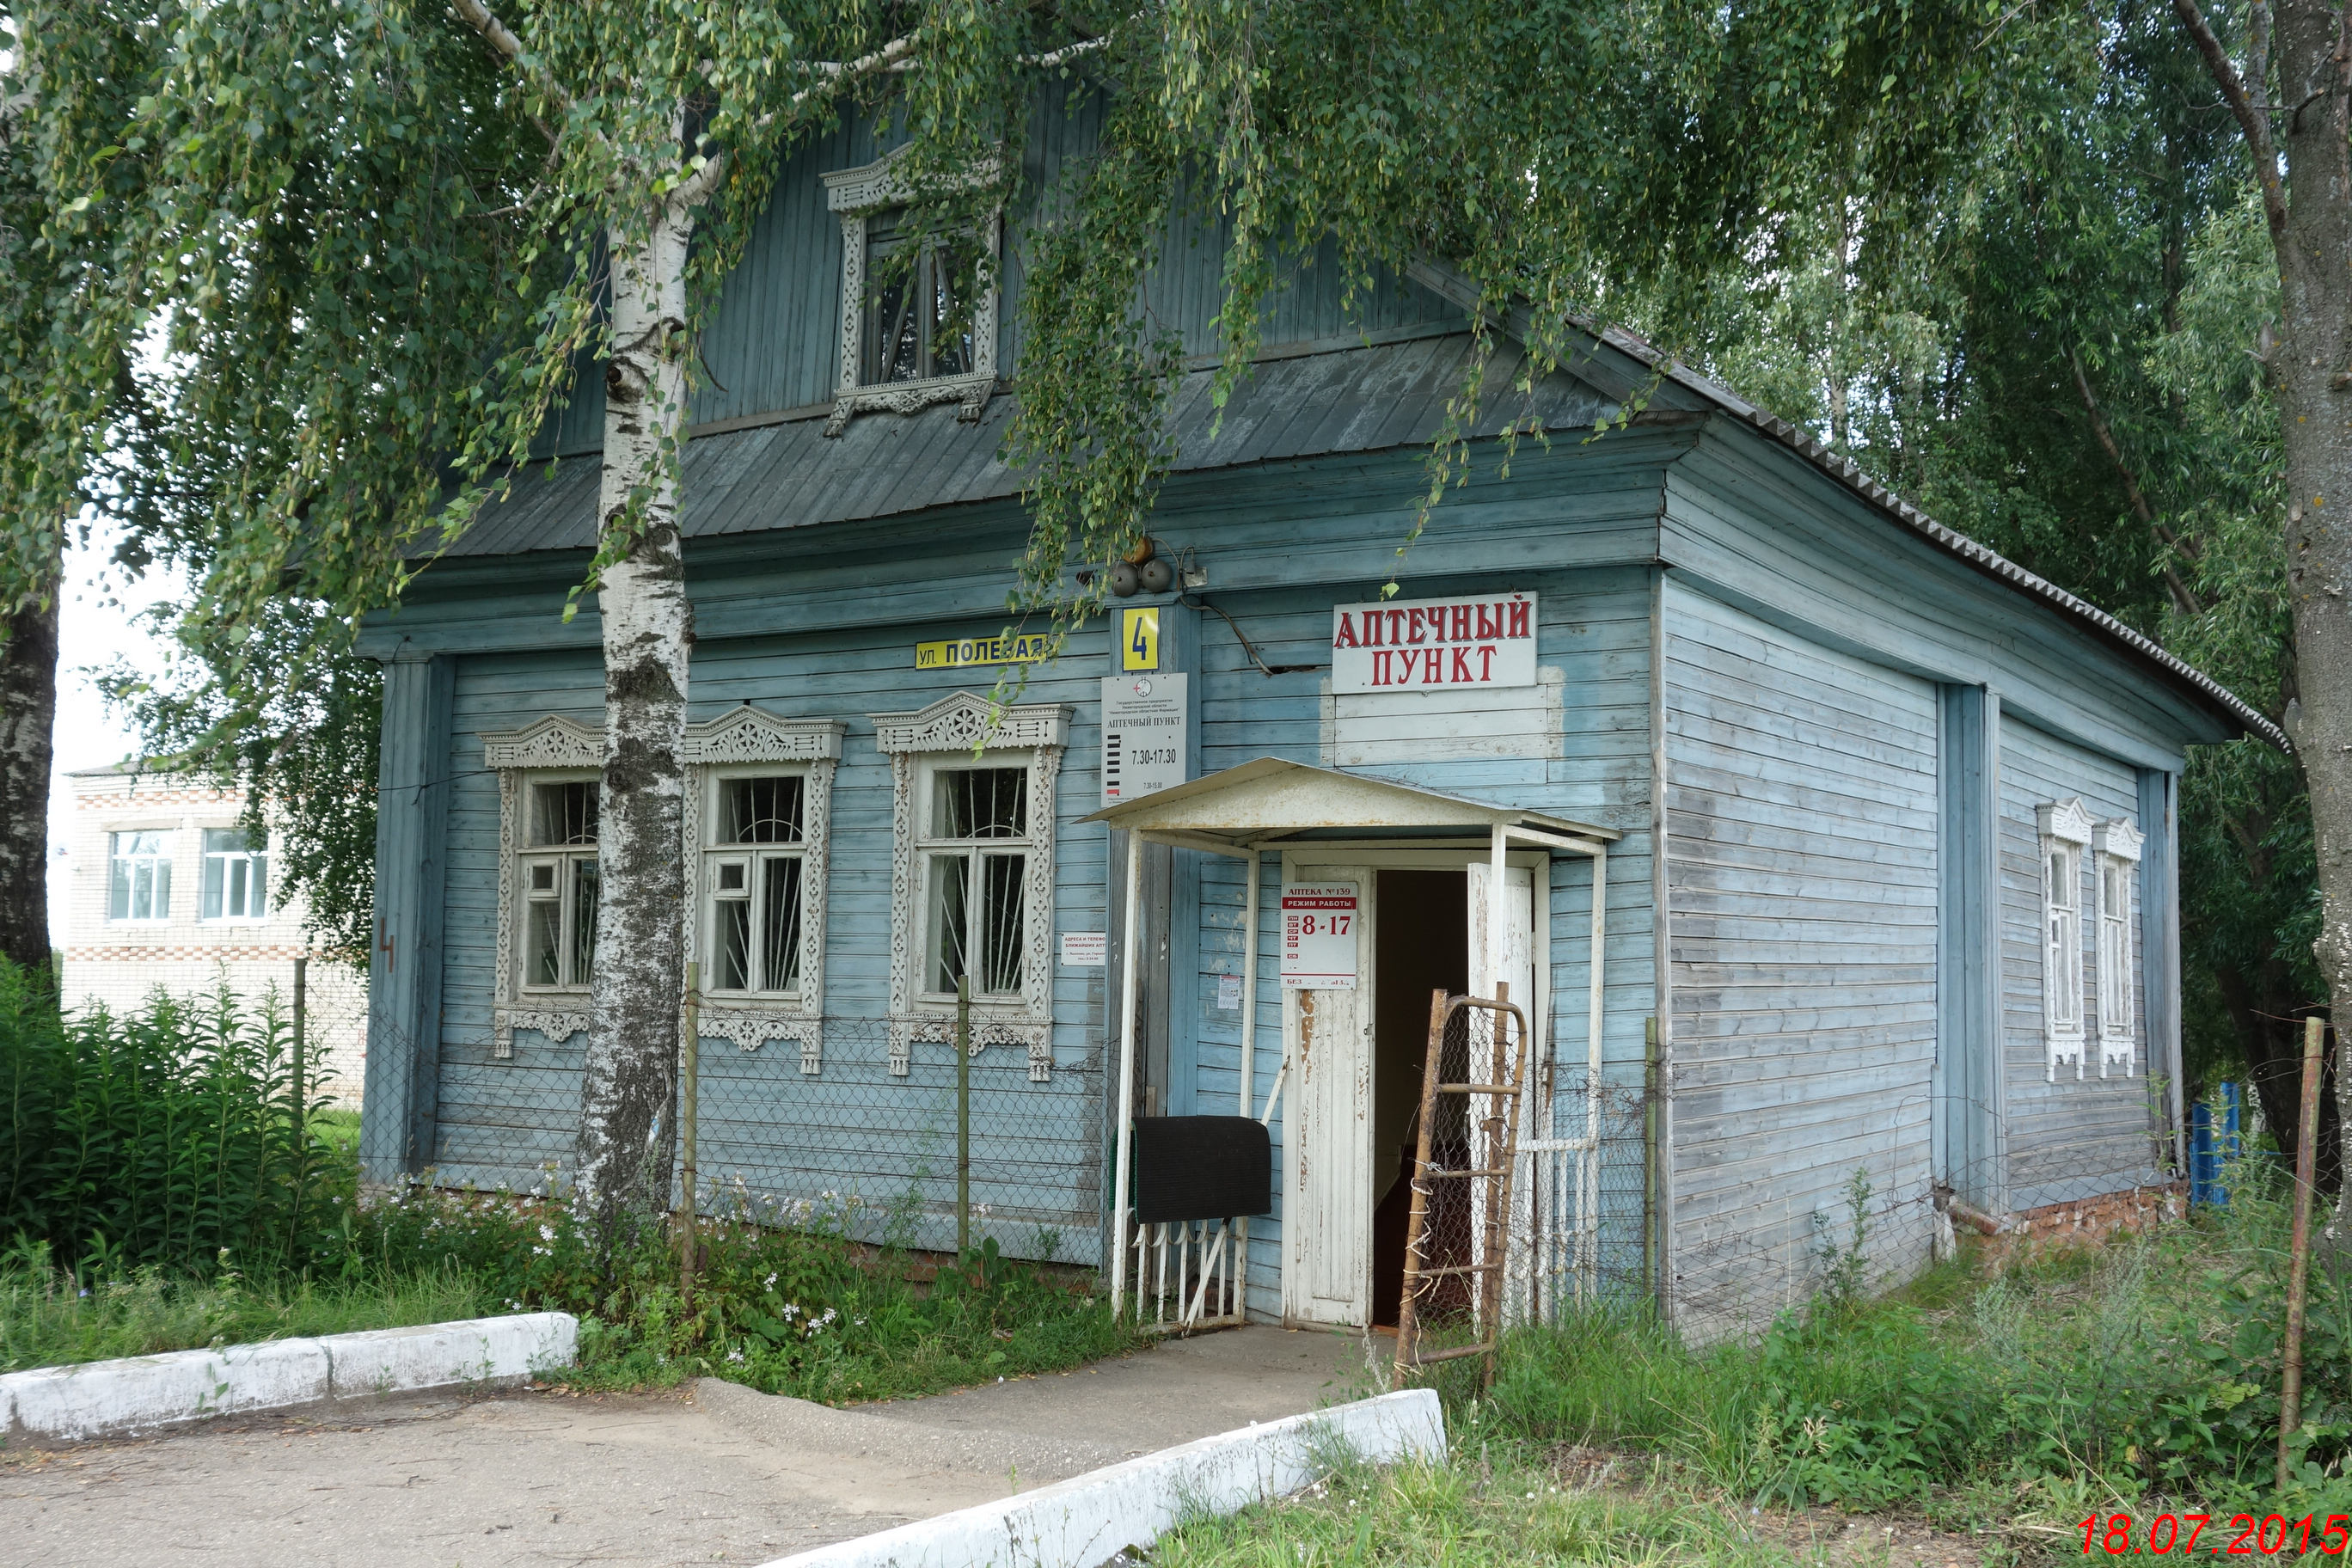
{"points": [[2121, 1535]]}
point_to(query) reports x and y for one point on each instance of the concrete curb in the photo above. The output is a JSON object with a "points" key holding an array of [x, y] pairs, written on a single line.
{"points": [[1087, 1520], [143, 1393]]}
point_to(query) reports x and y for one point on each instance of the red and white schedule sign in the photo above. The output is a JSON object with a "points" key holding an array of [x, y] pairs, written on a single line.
{"points": [[1319, 937], [1434, 645]]}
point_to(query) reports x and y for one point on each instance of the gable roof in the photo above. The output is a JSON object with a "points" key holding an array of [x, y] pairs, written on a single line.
{"points": [[1355, 394], [1307, 400], [1449, 284]]}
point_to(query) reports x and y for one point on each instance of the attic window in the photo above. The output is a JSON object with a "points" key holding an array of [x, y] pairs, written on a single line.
{"points": [[919, 311]]}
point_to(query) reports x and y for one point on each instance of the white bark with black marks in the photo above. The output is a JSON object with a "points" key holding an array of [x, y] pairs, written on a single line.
{"points": [[28, 712], [626, 1126]]}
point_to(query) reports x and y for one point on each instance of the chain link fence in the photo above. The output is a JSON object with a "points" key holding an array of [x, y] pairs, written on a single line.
{"points": [[861, 1125], [866, 1128]]}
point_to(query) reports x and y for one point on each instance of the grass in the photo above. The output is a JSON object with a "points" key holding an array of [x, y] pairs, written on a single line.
{"points": [[2008, 1402], [1495, 1511], [47, 1319]]}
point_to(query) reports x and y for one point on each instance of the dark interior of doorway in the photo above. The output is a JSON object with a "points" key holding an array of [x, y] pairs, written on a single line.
{"points": [[1423, 945]]}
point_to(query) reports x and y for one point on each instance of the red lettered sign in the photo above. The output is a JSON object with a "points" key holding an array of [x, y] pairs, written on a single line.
{"points": [[1319, 937], [1432, 645]]}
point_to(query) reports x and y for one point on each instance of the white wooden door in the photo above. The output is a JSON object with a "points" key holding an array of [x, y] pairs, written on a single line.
{"points": [[1490, 1065], [1326, 1203]]}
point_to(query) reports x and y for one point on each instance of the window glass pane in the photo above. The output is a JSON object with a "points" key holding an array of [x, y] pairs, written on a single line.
{"points": [[952, 277], [760, 811], [259, 893], [161, 908], [894, 328], [210, 891], [980, 803], [584, 920], [228, 841], [542, 878], [142, 890], [734, 945], [2061, 886], [564, 813], [542, 941], [117, 890], [1001, 924], [239, 877], [950, 888], [148, 842], [779, 924]]}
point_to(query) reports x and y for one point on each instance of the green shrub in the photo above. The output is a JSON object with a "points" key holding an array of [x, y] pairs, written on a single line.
{"points": [[787, 1304], [167, 1136]]}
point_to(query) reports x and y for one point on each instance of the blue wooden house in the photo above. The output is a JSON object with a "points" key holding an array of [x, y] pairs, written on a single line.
{"points": [[1815, 837]]}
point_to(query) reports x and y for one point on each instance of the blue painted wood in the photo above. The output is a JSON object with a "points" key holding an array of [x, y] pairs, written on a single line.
{"points": [[2069, 1139], [1802, 869], [2160, 930], [1969, 1102], [405, 969], [1774, 536]]}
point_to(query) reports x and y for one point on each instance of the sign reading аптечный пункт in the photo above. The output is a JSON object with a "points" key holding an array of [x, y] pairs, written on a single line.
{"points": [[1428, 645]]}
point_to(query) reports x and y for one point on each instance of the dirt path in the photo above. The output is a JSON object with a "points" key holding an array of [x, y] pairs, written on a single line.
{"points": [[715, 1473]]}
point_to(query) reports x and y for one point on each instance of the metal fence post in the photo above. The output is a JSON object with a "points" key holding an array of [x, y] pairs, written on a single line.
{"points": [[963, 1114], [689, 1095]]}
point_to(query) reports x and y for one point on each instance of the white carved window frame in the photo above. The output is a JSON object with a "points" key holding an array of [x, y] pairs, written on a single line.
{"points": [[985, 734], [2066, 835], [751, 740], [855, 196], [549, 749], [2115, 845]]}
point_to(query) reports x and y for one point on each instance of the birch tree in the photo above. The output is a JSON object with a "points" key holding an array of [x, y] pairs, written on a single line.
{"points": [[382, 256]]}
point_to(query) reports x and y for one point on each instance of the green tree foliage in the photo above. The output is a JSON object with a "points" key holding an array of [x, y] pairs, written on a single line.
{"points": [[2062, 362]]}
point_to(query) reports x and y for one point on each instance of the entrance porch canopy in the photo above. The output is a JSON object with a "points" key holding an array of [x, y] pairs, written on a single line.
{"points": [[1273, 803]]}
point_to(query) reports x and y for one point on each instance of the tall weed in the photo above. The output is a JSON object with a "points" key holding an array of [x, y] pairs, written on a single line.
{"points": [[167, 1136]]}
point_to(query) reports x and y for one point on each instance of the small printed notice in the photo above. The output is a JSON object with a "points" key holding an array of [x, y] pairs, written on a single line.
{"points": [[1229, 992], [1319, 937], [1434, 645], [1145, 720], [1085, 950]]}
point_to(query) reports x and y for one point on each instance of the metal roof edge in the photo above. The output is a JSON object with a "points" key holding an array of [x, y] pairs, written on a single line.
{"points": [[1441, 278]]}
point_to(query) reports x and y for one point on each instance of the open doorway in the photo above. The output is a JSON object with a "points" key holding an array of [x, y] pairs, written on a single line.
{"points": [[1418, 948]]}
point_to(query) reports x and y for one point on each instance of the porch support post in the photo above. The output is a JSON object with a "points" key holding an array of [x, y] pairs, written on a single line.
{"points": [[1127, 956], [1592, 1014], [1495, 907], [1249, 1060], [1249, 983]]}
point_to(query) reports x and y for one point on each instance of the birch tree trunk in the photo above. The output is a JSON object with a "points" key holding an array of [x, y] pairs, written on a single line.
{"points": [[627, 1128], [28, 712]]}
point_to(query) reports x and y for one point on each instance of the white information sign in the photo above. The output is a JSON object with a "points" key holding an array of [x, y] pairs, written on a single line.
{"points": [[1145, 720], [1319, 937], [1485, 641], [1085, 950], [1229, 992]]}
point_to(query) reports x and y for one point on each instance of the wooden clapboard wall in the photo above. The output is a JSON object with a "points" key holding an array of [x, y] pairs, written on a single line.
{"points": [[1802, 905], [2070, 1138]]}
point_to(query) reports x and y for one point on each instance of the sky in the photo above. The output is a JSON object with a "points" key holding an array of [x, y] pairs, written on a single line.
{"points": [[96, 627]]}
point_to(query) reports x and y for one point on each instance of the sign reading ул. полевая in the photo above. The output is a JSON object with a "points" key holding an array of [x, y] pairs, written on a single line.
{"points": [[1425, 645]]}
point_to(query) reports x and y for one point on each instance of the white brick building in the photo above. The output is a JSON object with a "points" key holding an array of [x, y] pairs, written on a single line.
{"points": [[163, 890]]}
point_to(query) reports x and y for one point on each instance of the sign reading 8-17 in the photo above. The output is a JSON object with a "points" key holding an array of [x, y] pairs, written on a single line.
{"points": [[1319, 937]]}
